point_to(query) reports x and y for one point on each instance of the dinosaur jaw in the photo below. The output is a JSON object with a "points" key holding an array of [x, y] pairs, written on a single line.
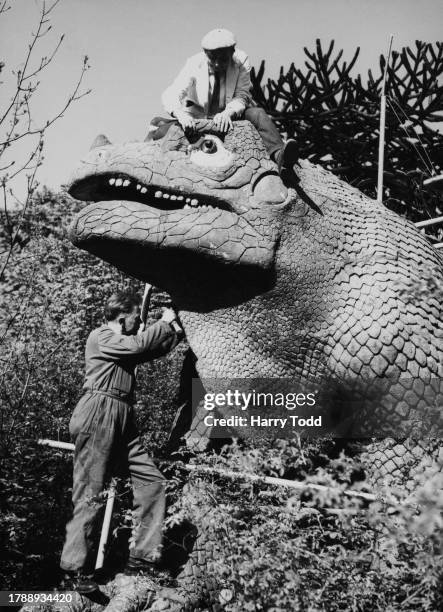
{"points": [[191, 252], [118, 186]]}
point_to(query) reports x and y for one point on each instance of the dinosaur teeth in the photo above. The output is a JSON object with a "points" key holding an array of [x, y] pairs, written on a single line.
{"points": [[186, 202]]}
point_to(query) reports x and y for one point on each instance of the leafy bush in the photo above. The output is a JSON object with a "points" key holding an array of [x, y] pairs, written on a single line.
{"points": [[280, 549], [51, 298]]}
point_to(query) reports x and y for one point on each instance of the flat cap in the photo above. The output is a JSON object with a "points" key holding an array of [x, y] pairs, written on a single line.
{"points": [[218, 39]]}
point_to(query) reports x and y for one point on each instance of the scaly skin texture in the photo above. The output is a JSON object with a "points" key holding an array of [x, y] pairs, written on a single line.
{"points": [[314, 283]]}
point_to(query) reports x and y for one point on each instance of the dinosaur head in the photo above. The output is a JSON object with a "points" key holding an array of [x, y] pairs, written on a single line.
{"points": [[199, 218]]}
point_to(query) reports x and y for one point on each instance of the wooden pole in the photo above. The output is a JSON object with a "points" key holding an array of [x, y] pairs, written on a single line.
{"points": [[282, 482], [279, 482], [381, 142], [56, 444], [434, 182], [145, 304], [106, 524], [109, 502], [428, 222], [145, 308]]}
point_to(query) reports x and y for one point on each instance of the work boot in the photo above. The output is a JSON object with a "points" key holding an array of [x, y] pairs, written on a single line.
{"points": [[81, 582], [286, 158]]}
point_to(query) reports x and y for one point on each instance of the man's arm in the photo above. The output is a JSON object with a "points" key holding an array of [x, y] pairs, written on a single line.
{"points": [[155, 341], [174, 95], [242, 93]]}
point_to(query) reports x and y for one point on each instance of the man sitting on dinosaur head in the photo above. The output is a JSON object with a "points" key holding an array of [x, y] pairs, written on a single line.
{"points": [[216, 84]]}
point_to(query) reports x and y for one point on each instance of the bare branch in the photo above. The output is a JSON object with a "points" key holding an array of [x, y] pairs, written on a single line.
{"points": [[4, 7], [45, 61], [21, 73], [73, 97], [18, 114]]}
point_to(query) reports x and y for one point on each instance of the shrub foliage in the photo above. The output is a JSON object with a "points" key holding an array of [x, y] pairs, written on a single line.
{"points": [[51, 298]]}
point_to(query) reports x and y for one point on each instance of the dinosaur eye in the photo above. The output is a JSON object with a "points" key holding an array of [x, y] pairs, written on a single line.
{"points": [[208, 146], [209, 152]]}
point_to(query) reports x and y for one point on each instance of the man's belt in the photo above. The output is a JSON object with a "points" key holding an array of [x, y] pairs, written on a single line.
{"points": [[127, 399]]}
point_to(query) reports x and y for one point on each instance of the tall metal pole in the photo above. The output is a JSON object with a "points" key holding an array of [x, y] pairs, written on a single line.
{"points": [[381, 142]]}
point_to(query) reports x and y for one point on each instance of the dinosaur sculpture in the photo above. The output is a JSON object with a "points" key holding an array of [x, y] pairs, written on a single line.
{"points": [[316, 281]]}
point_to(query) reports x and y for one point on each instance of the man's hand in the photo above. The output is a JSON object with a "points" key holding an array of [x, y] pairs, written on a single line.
{"points": [[185, 120], [168, 315], [223, 121]]}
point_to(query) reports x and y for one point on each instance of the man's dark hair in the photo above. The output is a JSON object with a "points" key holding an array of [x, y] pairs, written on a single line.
{"points": [[121, 302]]}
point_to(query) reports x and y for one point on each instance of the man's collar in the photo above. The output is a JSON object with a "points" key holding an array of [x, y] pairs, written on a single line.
{"points": [[116, 327], [221, 74]]}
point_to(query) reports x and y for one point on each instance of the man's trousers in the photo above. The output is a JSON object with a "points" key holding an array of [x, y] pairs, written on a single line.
{"points": [[107, 444], [266, 128]]}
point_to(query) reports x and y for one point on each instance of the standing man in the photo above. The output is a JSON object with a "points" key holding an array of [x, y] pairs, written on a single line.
{"points": [[107, 440], [215, 84]]}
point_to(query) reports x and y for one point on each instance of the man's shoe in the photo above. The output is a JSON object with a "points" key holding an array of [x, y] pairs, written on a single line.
{"points": [[81, 582], [286, 158]]}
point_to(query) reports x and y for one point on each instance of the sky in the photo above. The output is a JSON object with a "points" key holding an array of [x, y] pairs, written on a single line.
{"points": [[136, 47]]}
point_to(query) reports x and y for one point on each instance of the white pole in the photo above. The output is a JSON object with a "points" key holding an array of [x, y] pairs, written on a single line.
{"points": [[109, 502], [280, 482], [56, 444], [381, 142], [106, 524]]}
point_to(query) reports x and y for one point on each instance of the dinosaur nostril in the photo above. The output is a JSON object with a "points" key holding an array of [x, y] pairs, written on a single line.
{"points": [[269, 189]]}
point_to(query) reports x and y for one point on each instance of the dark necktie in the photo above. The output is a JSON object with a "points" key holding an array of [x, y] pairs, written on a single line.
{"points": [[214, 104]]}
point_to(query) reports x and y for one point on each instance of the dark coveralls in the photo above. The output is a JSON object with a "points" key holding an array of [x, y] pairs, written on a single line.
{"points": [[106, 440]]}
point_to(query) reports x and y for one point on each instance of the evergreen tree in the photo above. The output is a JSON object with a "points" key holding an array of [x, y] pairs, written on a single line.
{"points": [[334, 116]]}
